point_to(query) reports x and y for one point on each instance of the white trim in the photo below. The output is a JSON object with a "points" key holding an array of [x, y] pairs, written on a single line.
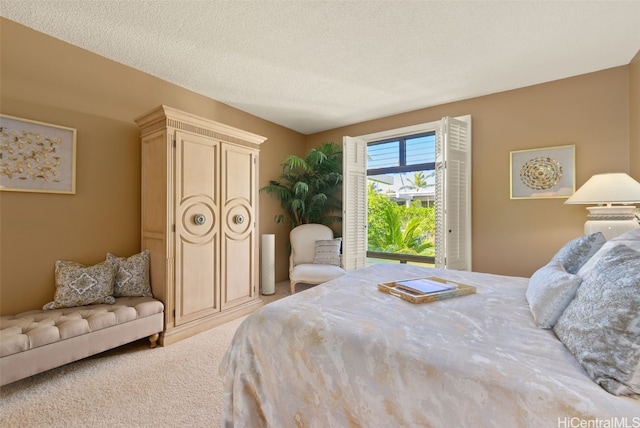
{"points": [[408, 130], [400, 132]]}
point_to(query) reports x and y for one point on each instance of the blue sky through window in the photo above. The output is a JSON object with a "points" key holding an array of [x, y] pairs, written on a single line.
{"points": [[390, 163]]}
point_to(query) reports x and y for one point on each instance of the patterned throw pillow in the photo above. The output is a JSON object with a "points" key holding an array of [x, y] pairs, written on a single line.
{"points": [[132, 275], [601, 326], [551, 288], [576, 252], [328, 252], [79, 285], [630, 238]]}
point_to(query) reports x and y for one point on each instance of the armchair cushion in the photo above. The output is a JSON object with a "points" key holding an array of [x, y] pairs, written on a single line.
{"points": [[311, 273]]}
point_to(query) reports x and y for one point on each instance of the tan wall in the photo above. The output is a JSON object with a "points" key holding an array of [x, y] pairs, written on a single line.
{"points": [[634, 116], [515, 237], [47, 80]]}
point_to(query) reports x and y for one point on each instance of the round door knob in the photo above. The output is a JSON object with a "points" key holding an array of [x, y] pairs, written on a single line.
{"points": [[199, 219], [239, 219]]}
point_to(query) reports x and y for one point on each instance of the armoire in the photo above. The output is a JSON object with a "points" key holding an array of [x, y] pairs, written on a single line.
{"points": [[199, 219]]}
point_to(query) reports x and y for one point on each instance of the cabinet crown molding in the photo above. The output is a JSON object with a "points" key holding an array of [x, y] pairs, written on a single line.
{"points": [[164, 116]]}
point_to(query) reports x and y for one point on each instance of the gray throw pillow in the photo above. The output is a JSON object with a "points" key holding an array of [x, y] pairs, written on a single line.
{"points": [[601, 325], [79, 285], [132, 275], [328, 252], [576, 252], [630, 238], [551, 288]]}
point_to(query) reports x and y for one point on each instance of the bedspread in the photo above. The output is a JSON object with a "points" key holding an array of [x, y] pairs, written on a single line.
{"points": [[344, 354]]}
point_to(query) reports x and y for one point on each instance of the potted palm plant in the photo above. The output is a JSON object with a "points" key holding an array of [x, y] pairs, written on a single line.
{"points": [[308, 187]]}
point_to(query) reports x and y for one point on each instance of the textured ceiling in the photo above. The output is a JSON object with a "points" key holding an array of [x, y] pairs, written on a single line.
{"points": [[318, 65]]}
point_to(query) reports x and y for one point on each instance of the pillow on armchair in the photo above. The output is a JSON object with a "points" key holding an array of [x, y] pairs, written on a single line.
{"points": [[328, 252]]}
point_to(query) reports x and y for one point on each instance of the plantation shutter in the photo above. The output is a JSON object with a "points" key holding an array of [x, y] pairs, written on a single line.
{"points": [[453, 194], [354, 203]]}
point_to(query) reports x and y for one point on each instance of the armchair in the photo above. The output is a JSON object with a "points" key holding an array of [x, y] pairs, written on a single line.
{"points": [[308, 265]]}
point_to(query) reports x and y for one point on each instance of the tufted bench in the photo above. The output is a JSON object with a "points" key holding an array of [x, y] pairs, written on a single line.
{"points": [[34, 341]]}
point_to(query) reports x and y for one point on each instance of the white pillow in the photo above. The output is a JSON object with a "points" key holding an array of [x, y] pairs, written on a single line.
{"points": [[631, 239], [551, 288]]}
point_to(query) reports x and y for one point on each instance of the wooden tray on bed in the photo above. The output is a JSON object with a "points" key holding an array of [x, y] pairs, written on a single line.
{"points": [[458, 290]]}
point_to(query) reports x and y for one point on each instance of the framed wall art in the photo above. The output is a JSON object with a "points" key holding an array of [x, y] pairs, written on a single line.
{"points": [[36, 156], [543, 173]]}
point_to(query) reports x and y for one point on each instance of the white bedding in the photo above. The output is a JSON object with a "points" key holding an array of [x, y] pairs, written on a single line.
{"points": [[344, 354]]}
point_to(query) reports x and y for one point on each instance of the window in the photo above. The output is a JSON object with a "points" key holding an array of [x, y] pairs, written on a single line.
{"points": [[410, 153], [400, 198], [451, 160]]}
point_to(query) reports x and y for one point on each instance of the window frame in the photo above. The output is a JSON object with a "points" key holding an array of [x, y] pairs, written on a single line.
{"points": [[403, 167]]}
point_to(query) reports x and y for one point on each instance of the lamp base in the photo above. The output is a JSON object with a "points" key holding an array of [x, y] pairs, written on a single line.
{"points": [[611, 220]]}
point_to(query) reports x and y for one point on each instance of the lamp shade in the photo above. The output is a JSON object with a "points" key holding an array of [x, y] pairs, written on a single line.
{"points": [[609, 188]]}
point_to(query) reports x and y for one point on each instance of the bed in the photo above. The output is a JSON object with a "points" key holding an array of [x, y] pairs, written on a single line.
{"points": [[344, 354]]}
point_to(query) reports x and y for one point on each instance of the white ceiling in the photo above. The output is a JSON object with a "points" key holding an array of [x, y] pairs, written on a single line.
{"points": [[316, 65]]}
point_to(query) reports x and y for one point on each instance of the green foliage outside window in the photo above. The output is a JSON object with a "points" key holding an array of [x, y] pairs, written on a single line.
{"points": [[397, 228]]}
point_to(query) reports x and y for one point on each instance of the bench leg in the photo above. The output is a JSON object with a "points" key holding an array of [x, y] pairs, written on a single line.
{"points": [[153, 339]]}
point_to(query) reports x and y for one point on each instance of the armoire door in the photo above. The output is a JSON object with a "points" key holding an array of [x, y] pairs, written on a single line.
{"points": [[197, 225], [238, 250]]}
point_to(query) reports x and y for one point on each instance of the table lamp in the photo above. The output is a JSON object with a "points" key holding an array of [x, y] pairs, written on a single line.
{"points": [[605, 190]]}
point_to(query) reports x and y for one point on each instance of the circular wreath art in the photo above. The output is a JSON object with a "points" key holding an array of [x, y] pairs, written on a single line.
{"points": [[541, 173]]}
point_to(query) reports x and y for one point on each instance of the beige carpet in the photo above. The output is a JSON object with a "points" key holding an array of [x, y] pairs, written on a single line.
{"points": [[131, 386]]}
